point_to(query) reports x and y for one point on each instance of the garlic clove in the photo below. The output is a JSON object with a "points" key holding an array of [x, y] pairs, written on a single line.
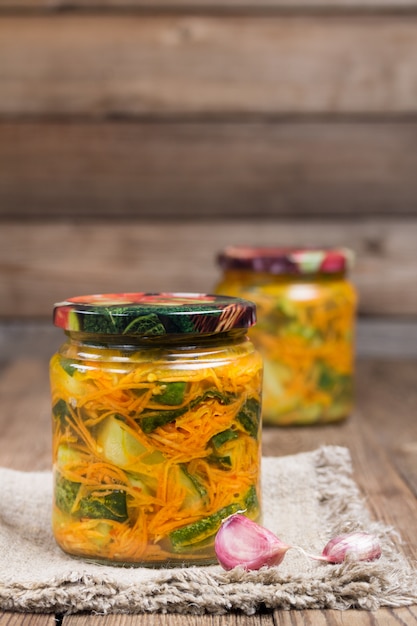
{"points": [[357, 546], [241, 541]]}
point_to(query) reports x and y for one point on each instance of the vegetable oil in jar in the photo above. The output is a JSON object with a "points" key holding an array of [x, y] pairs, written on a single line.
{"points": [[305, 328], [156, 402]]}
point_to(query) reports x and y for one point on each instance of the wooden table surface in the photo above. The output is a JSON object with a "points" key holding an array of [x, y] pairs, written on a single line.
{"points": [[381, 435]]}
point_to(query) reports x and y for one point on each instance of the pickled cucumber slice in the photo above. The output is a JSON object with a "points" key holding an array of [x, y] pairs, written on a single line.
{"points": [[226, 435], [183, 538], [117, 444], [196, 492], [67, 455], [61, 411], [173, 393], [151, 420], [94, 505], [249, 416]]}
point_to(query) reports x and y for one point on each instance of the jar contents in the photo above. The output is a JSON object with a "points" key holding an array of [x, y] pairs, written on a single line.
{"points": [[156, 426], [305, 328]]}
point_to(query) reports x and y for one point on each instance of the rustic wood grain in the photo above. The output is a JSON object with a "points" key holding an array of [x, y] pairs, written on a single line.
{"points": [[205, 170], [390, 400], [405, 458], [382, 337], [45, 262], [392, 404], [25, 415], [169, 620], [384, 617], [263, 5], [156, 65], [26, 619]]}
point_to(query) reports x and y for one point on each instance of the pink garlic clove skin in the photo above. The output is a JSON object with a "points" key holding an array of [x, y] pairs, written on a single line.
{"points": [[356, 546], [242, 542]]}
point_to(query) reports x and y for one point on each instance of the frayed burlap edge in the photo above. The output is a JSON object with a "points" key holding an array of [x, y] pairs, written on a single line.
{"points": [[390, 581]]}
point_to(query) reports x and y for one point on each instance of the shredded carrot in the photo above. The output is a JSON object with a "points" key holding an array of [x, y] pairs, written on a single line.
{"points": [[169, 475], [306, 343]]}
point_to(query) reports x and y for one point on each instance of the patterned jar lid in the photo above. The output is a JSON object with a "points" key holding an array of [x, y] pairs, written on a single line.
{"points": [[153, 314], [287, 260]]}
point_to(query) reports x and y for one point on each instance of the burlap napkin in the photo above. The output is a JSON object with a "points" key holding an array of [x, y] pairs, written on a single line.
{"points": [[307, 498]]}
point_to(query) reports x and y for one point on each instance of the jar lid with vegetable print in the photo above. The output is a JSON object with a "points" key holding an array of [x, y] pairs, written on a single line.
{"points": [[291, 261], [153, 314]]}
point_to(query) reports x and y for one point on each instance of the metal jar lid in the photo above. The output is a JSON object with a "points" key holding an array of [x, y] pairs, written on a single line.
{"points": [[153, 314], [286, 260]]}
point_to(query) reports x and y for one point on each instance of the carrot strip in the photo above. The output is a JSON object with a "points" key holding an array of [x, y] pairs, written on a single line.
{"points": [[175, 480]]}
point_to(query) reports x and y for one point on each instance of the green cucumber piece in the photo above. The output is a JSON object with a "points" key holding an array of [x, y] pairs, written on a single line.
{"points": [[67, 455], [222, 462], [65, 493], [196, 492], [249, 416], [67, 366], [151, 420], [183, 538], [117, 444], [146, 484], [173, 393], [110, 505], [251, 500], [61, 411], [226, 435]]}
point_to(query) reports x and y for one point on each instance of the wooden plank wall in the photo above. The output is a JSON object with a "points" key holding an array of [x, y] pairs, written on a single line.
{"points": [[138, 137]]}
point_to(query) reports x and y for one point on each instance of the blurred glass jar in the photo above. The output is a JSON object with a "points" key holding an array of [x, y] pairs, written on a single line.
{"points": [[156, 402], [306, 312]]}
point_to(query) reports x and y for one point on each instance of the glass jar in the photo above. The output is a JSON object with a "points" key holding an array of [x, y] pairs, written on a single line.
{"points": [[305, 328], [156, 425]]}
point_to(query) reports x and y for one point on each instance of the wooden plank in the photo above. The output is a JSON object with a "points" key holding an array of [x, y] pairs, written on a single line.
{"points": [[36, 338], [387, 393], [26, 619], [381, 337], [281, 618], [204, 170], [208, 4], [406, 462], [45, 262], [392, 404], [383, 617], [25, 416], [169, 620], [394, 401], [157, 65]]}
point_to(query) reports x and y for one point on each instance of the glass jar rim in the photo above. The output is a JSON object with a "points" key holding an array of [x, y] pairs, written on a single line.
{"points": [[154, 314], [286, 260]]}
